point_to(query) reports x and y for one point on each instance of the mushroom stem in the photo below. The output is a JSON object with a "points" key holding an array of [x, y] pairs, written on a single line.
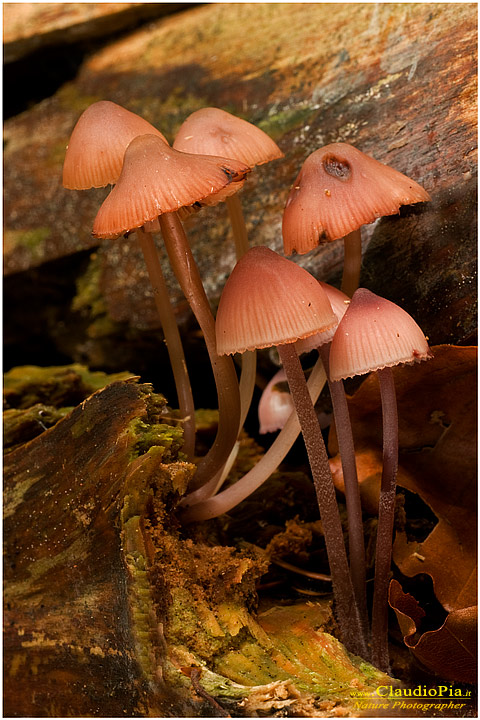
{"points": [[200, 508], [237, 220], [386, 512], [186, 272], [248, 377], [356, 542], [352, 262], [172, 339], [346, 606], [249, 360]]}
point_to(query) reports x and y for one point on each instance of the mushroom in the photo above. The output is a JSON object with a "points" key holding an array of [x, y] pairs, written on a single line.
{"points": [[275, 405], [95, 151], [94, 158], [373, 336], [155, 182], [356, 544], [213, 131], [269, 300], [338, 190]]}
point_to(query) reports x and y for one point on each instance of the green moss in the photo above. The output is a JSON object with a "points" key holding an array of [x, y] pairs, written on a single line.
{"points": [[58, 386], [278, 124], [165, 440]]}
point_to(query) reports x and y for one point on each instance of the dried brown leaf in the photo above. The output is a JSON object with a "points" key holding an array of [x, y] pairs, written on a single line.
{"points": [[449, 651]]}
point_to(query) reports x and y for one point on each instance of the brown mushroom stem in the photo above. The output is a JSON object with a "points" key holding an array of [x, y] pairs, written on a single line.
{"points": [[186, 272], [249, 360], [346, 606], [352, 262], [172, 339], [386, 512], [247, 383], [200, 506], [237, 220], [356, 543]]}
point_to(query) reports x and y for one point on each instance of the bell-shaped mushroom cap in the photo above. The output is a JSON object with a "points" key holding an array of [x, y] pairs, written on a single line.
{"points": [[275, 404], [269, 300], [373, 334], [339, 302], [94, 156], [211, 131], [157, 179], [338, 190]]}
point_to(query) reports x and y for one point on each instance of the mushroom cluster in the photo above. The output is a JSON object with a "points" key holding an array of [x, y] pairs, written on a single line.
{"points": [[268, 300]]}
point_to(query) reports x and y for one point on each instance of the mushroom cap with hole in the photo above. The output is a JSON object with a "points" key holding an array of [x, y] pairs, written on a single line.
{"points": [[95, 151], [339, 302], [269, 300], [211, 131], [157, 179], [373, 334], [338, 190]]}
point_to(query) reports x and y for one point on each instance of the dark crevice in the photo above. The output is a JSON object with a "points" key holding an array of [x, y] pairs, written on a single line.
{"points": [[420, 518]]}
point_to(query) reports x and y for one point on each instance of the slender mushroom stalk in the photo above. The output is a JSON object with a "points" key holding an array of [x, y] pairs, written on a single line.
{"points": [[267, 301], [94, 158], [172, 339], [356, 543], [338, 190], [322, 342], [374, 335], [347, 608], [352, 262], [212, 131], [186, 272], [201, 506], [386, 514], [155, 182]]}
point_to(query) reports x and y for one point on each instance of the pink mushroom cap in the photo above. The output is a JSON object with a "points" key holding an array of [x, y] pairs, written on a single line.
{"points": [[95, 151], [157, 179], [269, 300], [338, 190], [211, 131], [275, 405], [339, 302], [373, 334]]}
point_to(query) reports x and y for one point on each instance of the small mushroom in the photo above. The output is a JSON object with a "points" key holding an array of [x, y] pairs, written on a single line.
{"points": [[213, 131], [373, 336], [338, 190], [322, 342], [95, 151], [275, 405], [269, 300], [94, 158], [156, 181]]}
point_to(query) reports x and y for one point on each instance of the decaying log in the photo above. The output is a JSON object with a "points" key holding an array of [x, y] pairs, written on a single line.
{"points": [[110, 605], [79, 640]]}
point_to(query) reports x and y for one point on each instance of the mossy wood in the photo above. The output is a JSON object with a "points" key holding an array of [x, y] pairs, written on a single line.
{"points": [[109, 608]]}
